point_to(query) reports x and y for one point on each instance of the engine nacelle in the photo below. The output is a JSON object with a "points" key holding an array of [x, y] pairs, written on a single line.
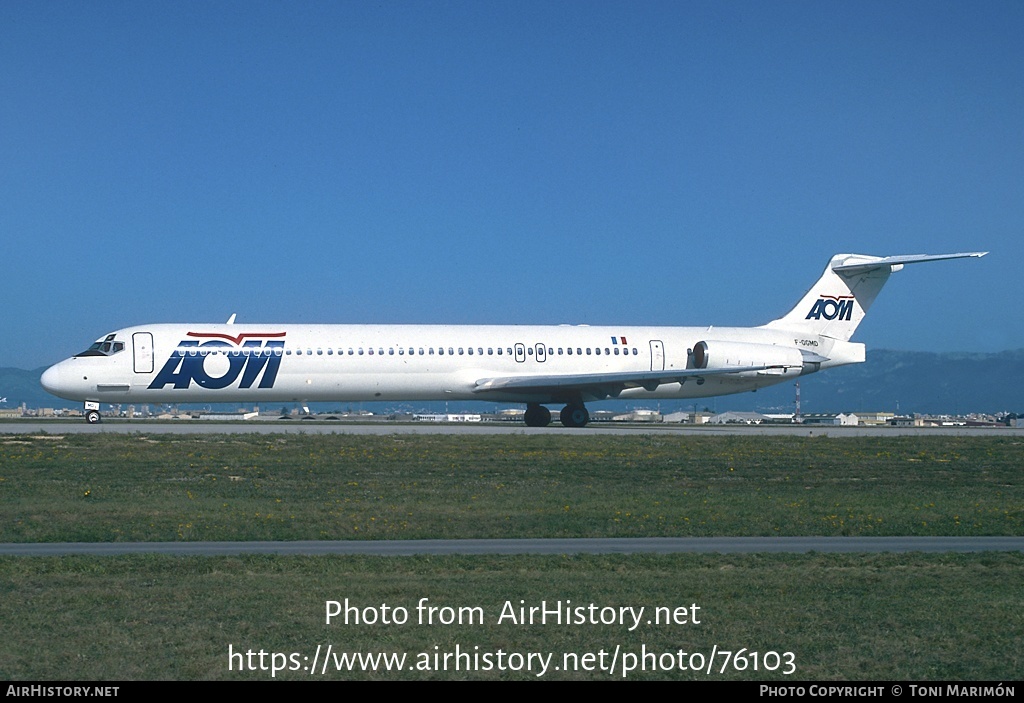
{"points": [[724, 355]]}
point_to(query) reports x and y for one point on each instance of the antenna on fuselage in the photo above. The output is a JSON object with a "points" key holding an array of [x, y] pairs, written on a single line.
{"points": [[231, 320]]}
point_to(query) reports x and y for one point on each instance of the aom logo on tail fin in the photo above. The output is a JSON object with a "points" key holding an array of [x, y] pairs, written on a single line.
{"points": [[837, 302], [831, 307]]}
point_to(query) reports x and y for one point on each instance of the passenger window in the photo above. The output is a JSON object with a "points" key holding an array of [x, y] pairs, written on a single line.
{"points": [[471, 351]]}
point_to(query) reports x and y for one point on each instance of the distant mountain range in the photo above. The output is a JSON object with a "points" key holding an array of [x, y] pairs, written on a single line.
{"points": [[910, 382], [921, 382], [20, 386]]}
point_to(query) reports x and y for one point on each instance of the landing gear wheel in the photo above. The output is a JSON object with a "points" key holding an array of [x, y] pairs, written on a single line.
{"points": [[537, 416], [574, 416], [92, 416]]}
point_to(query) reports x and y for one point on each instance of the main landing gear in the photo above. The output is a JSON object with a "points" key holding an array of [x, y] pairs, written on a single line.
{"points": [[537, 416], [572, 415]]}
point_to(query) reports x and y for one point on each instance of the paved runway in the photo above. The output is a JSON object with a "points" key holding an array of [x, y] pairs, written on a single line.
{"points": [[660, 545], [388, 428]]}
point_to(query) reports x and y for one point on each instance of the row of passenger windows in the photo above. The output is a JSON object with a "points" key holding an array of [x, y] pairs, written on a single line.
{"points": [[421, 351], [452, 351]]}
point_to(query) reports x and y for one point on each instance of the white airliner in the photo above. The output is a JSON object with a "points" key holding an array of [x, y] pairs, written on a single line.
{"points": [[567, 365]]}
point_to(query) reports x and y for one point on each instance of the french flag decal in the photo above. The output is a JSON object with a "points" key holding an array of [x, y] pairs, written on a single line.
{"points": [[619, 340]]}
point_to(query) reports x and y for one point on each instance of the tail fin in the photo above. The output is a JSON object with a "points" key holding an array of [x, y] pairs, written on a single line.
{"points": [[836, 304]]}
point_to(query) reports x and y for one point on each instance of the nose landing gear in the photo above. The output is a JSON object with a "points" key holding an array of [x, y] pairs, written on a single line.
{"points": [[92, 413]]}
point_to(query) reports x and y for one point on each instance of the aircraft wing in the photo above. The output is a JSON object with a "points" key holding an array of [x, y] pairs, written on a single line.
{"points": [[600, 385]]}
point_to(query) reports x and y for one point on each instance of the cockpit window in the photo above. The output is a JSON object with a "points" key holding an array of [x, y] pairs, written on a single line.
{"points": [[104, 347]]}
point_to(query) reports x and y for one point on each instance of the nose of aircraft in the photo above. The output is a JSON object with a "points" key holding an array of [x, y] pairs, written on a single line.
{"points": [[51, 380]]}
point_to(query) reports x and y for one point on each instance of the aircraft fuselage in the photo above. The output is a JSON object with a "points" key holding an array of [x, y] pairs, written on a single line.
{"points": [[536, 365], [170, 363]]}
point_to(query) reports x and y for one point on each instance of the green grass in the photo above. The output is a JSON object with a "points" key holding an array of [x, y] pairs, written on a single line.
{"points": [[867, 617], [247, 487]]}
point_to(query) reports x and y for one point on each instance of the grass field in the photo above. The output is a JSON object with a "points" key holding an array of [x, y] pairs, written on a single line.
{"points": [[875, 617], [246, 487], [904, 617]]}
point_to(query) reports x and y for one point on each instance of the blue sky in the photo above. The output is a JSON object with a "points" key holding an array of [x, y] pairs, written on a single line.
{"points": [[505, 162]]}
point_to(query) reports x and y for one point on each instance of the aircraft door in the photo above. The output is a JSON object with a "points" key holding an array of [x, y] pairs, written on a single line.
{"points": [[142, 344], [542, 352], [520, 352], [657, 355]]}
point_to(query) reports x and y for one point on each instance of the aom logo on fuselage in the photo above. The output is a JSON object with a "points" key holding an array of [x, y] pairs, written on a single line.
{"points": [[219, 362], [832, 307]]}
